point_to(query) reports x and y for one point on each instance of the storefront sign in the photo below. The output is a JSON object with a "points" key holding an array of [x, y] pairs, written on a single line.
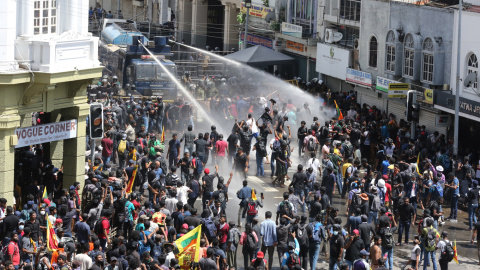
{"points": [[294, 46], [292, 29], [258, 40], [382, 84], [46, 133], [398, 90], [359, 77], [425, 96], [332, 61], [446, 100], [257, 11]]}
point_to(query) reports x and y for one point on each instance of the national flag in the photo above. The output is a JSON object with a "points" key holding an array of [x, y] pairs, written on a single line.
{"points": [[254, 196], [52, 242], [418, 163], [132, 180], [339, 113], [189, 248], [455, 257], [163, 135], [45, 195]]}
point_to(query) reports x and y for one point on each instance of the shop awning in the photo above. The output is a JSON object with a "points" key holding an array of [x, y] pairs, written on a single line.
{"points": [[260, 56]]}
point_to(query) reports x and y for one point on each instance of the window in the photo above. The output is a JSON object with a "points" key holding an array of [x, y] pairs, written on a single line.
{"points": [[390, 58], [350, 9], [390, 49], [372, 59], [45, 17], [427, 60], [472, 66], [409, 56]]}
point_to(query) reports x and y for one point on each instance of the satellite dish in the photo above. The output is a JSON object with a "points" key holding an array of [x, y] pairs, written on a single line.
{"points": [[270, 16], [470, 79]]}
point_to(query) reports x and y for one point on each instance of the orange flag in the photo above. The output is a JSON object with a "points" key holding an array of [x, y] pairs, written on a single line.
{"points": [[132, 180]]}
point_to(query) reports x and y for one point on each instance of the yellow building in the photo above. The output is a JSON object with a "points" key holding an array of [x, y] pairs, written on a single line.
{"points": [[47, 59]]}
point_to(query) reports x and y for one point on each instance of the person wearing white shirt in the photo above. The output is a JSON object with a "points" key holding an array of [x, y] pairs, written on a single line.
{"points": [[314, 163], [441, 246], [182, 193]]}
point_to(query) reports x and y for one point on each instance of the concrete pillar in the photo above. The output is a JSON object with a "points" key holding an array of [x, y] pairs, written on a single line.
{"points": [[230, 31], [8, 124], [199, 23], [163, 12], [74, 149], [8, 24], [26, 20], [56, 147], [184, 21]]}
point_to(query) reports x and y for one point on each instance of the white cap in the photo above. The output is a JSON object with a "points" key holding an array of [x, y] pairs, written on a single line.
{"points": [[439, 168], [381, 183]]}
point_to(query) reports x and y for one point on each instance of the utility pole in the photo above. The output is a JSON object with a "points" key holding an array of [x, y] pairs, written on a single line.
{"points": [[457, 90], [248, 5]]}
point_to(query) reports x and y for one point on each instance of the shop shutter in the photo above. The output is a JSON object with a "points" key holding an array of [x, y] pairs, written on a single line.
{"points": [[371, 100], [397, 108], [427, 118]]}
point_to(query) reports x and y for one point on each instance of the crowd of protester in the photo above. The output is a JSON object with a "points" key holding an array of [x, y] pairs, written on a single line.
{"points": [[397, 190]]}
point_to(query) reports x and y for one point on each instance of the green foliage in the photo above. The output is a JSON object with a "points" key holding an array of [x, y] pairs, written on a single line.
{"points": [[265, 3], [241, 17], [275, 25]]}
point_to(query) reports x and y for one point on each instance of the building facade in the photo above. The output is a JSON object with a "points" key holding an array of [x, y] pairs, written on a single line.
{"points": [[47, 59]]}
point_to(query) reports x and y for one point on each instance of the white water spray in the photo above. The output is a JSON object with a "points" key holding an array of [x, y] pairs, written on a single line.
{"points": [[184, 91]]}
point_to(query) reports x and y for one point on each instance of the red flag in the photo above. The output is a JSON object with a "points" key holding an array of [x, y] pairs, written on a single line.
{"points": [[132, 180], [52, 242], [455, 257]]}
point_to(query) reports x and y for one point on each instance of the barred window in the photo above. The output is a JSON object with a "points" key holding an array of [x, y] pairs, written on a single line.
{"points": [[45, 17], [408, 56], [472, 66], [372, 59], [390, 58]]}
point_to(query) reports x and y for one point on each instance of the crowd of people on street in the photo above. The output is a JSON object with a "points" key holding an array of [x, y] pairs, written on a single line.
{"points": [[355, 187]]}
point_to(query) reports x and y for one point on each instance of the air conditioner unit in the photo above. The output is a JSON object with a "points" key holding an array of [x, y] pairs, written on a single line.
{"points": [[332, 36]]}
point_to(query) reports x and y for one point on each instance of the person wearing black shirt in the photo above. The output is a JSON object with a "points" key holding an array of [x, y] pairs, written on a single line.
{"points": [[353, 247], [383, 220], [315, 208], [245, 138], [9, 224], [472, 200], [200, 147], [336, 247], [406, 211], [298, 182], [240, 165], [192, 220], [301, 134], [366, 232], [232, 146], [207, 187], [34, 226], [303, 241]]}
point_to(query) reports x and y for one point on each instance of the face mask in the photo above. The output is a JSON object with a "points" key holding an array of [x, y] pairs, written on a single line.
{"points": [[21, 227], [335, 233], [42, 213]]}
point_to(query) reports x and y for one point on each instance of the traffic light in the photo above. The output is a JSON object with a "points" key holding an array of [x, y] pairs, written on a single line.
{"points": [[96, 121], [413, 109]]}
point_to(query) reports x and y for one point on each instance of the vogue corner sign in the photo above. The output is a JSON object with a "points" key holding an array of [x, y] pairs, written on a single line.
{"points": [[46, 133]]}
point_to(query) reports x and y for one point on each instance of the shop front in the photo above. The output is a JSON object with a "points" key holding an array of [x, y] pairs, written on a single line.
{"points": [[469, 116]]}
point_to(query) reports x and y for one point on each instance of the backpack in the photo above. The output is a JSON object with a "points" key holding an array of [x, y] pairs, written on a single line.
{"points": [[376, 205], [311, 144], [252, 209], [239, 194], [301, 235], [356, 200], [276, 145], [438, 191], [236, 236], [5, 251], [251, 243], [262, 150], [163, 165], [430, 240], [122, 146], [318, 233], [98, 229], [211, 228], [448, 253], [382, 192], [293, 260], [286, 209], [348, 150], [387, 238]]}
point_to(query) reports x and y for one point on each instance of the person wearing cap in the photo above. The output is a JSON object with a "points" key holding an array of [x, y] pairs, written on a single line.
{"points": [[361, 263], [113, 264], [353, 247], [207, 187], [442, 246], [259, 261]]}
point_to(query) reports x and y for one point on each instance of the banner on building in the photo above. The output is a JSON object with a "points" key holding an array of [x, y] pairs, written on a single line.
{"points": [[46, 133], [291, 30], [332, 61], [398, 90], [258, 40], [257, 11], [359, 77], [299, 47], [425, 96], [382, 83]]}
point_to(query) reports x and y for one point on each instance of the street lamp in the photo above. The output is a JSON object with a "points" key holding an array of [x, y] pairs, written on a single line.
{"points": [[248, 5]]}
